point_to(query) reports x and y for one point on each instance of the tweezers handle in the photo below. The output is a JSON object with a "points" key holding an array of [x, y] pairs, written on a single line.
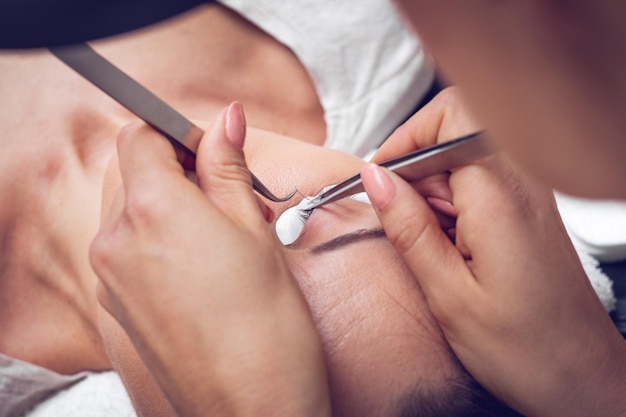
{"points": [[440, 158], [181, 132], [417, 165]]}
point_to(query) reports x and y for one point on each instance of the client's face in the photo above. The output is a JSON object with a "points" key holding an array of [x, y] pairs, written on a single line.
{"points": [[380, 339]]}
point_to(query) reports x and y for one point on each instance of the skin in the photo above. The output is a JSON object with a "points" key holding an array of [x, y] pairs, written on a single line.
{"points": [[508, 293], [362, 300], [551, 95], [466, 269], [58, 133], [579, 106]]}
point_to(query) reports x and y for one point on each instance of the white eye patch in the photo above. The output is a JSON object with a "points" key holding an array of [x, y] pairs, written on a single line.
{"points": [[362, 197], [290, 224]]}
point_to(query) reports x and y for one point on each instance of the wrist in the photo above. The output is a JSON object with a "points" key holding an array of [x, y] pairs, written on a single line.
{"points": [[587, 379]]}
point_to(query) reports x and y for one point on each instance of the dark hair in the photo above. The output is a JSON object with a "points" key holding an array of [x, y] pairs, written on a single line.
{"points": [[460, 396]]}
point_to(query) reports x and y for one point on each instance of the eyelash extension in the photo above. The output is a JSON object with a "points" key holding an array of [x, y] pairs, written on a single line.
{"points": [[290, 224], [304, 214]]}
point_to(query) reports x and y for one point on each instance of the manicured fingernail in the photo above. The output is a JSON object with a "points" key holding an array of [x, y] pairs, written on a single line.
{"points": [[442, 205], [268, 213], [236, 124], [378, 185]]}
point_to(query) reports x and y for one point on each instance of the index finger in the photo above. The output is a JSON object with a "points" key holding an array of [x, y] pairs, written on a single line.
{"points": [[444, 118]]}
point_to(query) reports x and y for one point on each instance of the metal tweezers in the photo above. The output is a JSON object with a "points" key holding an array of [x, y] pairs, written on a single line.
{"points": [[416, 165], [142, 102]]}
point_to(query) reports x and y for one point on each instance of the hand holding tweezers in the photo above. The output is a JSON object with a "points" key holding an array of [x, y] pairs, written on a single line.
{"points": [[142, 102], [416, 165]]}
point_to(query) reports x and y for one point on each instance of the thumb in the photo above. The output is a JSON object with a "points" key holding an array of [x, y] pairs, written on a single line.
{"points": [[223, 174], [413, 230]]}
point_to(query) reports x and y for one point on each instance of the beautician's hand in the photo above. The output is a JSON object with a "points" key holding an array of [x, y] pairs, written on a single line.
{"points": [[508, 291], [195, 276]]}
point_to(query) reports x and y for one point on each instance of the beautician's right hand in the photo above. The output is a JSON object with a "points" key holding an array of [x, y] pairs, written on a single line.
{"points": [[195, 276], [507, 289]]}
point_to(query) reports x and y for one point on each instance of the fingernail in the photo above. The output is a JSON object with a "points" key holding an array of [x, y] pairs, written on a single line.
{"points": [[236, 124], [378, 185], [268, 214], [442, 205]]}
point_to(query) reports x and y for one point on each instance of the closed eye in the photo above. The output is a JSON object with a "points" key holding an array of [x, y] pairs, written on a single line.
{"points": [[348, 239]]}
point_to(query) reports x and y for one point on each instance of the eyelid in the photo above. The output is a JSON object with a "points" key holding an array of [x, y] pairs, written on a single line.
{"points": [[359, 197]]}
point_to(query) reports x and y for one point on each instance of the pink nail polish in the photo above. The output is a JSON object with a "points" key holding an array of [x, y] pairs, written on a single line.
{"points": [[236, 124], [378, 185]]}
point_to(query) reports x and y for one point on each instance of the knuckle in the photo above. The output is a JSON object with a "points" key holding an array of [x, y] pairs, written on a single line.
{"points": [[526, 198], [130, 130], [449, 98], [100, 252], [144, 206], [224, 173]]}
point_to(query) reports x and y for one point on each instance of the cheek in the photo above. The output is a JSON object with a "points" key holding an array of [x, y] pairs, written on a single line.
{"points": [[111, 185]]}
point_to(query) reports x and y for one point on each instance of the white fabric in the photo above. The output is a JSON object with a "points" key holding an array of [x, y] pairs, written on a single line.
{"points": [[368, 69], [23, 384], [33, 391], [596, 226], [600, 282], [98, 395], [598, 231]]}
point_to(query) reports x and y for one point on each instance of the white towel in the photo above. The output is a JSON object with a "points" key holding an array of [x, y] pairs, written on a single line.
{"points": [[98, 395], [598, 231], [596, 226]]}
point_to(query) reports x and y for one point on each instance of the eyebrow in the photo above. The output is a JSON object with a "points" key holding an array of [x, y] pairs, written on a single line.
{"points": [[348, 239]]}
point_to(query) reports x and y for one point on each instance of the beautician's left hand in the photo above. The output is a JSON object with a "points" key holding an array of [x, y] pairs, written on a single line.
{"points": [[195, 276]]}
